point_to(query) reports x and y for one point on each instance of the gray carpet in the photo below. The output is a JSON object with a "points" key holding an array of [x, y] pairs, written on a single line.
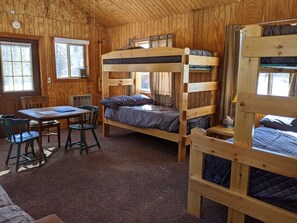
{"points": [[134, 178]]}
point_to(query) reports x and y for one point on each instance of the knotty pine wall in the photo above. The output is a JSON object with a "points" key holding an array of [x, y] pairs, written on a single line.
{"points": [[203, 29], [44, 20]]}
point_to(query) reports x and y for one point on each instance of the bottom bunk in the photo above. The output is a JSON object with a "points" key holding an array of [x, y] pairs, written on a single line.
{"points": [[272, 188], [143, 116]]}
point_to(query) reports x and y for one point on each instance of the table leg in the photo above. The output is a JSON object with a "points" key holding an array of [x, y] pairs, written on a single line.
{"points": [[40, 142]]}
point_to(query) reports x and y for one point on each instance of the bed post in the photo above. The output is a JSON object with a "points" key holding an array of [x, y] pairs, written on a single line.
{"points": [[137, 82], [213, 94], [196, 168], [105, 94], [183, 106], [244, 122]]}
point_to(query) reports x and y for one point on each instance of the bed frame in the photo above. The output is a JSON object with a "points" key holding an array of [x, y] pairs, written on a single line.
{"points": [[242, 155], [181, 66]]}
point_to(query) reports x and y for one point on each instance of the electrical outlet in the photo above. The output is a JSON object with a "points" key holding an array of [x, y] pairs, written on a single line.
{"points": [[49, 80]]}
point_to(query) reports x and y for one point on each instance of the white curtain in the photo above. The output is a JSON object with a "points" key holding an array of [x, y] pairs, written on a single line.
{"points": [[162, 83]]}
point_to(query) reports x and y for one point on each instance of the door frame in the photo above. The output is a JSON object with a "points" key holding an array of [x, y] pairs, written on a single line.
{"points": [[41, 54]]}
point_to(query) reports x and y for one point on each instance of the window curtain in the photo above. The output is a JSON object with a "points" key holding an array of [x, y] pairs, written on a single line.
{"points": [[162, 83], [293, 86], [229, 72]]}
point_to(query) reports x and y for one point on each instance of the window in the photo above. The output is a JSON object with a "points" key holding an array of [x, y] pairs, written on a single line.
{"points": [[145, 76], [17, 68], [70, 57], [276, 84]]}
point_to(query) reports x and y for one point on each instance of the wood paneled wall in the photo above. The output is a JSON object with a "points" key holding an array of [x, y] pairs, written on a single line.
{"points": [[44, 20], [204, 29]]}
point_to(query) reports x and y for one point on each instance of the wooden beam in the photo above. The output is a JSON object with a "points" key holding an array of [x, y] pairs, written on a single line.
{"points": [[201, 86], [120, 82], [203, 60], [267, 104], [244, 122], [174, 137], [197, 112], [196, 168], [241, 203], [251, 156], [158, 67], [270, 46], [150, 52]]}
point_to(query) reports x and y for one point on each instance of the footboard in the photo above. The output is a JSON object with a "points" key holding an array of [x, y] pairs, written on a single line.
{"points": [[239, 155]]}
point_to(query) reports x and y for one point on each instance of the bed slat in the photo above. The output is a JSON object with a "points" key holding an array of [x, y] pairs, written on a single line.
{"points": [[174, 137], [161, 67], [197, 112], [151, 52], [120, 82], [201, 86], [270, 46], [267, 104], [241, 203], [203, 60]]}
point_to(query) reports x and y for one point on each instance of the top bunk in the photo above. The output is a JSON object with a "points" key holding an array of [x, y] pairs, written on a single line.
{"points": [[279, 61], [162, 59]]}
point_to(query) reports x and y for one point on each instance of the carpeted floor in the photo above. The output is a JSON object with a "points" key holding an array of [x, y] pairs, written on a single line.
{"points": [[134, 178]]}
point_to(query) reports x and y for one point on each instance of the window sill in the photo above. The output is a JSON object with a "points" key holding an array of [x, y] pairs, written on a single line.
{"points": [[147, 93], [71, 79]]}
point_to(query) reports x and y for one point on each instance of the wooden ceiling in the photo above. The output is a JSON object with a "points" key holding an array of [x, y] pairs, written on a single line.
{"points": [[118, 12]]}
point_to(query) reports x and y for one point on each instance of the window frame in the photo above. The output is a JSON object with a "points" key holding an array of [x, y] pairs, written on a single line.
{"points": [[139, 42], [71, 42], [13, 76], [270, 79]]}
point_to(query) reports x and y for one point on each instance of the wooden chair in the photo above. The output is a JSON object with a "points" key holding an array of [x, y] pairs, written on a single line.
{"points": [[29, 102], [16, 133], [89, 122]]}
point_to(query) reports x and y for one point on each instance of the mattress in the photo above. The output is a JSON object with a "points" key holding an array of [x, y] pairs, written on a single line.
{"points": [[153, 116], [162, 59], [279, 62], [278, 190]]}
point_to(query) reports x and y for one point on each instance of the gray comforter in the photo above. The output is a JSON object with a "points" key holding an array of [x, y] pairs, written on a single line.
{"points": [[278, 190], [153, 116]]}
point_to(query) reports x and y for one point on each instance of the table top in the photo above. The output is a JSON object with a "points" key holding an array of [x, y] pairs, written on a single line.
{"points": [[219, 129], [55, 112]]}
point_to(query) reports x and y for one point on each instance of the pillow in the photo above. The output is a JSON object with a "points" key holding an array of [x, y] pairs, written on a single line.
{"points": [[294, 122], [278, 122], [116, 101], [142, 99]]}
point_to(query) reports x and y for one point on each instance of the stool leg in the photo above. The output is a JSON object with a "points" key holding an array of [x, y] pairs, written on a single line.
{"points": [[48, 135], [68, 141], [8, 155], [18, 157], [94, 134], [32, 147], [81, 142], [59, 136]]}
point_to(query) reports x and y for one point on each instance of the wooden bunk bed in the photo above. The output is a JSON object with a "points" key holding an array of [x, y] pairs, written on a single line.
{"points": [[164, 59], [242, 155]]}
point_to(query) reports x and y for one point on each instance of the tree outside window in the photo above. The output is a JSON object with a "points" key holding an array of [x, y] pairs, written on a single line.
{"points": [[277, 84], [70, 57]]}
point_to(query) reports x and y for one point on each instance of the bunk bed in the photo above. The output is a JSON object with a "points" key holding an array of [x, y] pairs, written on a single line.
{"points": [[248, 153], [163, 59]]}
